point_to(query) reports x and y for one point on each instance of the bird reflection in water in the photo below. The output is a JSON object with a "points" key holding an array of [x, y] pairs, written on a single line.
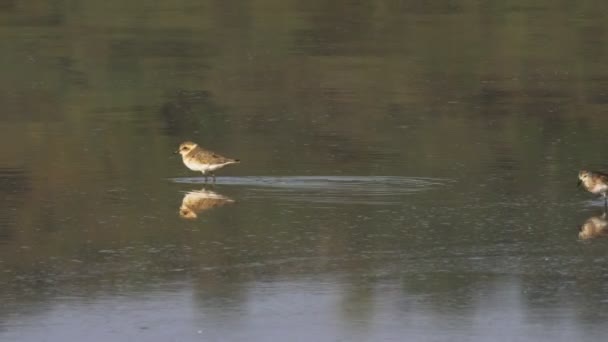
{"points": [[594, 227], [197, 201]]}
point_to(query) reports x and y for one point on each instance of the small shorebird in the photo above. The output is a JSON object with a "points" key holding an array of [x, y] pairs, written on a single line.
{"points": [[195, 202], [595, 183], [199, 159]]}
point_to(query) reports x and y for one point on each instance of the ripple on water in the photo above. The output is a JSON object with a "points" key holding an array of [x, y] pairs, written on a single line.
{"points": [[328, 189]]}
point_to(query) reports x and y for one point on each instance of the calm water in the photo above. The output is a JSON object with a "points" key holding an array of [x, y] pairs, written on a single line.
{"points": [[408, 171]]}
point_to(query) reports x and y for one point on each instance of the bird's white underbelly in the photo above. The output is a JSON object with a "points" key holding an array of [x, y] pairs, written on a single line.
{"points": [[599, 188], [204, 168]]}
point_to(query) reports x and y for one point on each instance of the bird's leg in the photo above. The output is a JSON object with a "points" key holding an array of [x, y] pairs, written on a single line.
{"points": [[204, 174], [605, 203], [213, 175]]}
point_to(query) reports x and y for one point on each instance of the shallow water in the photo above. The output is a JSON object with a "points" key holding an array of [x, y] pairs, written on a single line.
{"points": [[382, 190], [408, 171]]}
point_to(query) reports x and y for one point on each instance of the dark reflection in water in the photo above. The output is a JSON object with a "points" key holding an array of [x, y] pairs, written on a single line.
{"points": [[594, 227], [14, 188], [197, 201], [179, 113], [419, 161]]}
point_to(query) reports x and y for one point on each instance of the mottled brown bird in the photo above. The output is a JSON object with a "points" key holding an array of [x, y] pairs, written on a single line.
{"points": [[198, 159], [195, 202], [595, 183]]}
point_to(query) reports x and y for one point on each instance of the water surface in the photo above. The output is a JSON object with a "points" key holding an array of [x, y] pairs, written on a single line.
{"points": [[408, 171]]}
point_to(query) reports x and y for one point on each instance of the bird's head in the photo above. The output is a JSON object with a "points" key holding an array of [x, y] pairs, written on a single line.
{"points": [[583, 175], [186, 147]]}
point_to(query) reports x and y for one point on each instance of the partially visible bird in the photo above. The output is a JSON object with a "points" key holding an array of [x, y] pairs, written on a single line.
{"points": [[594, 182], [198, 159]]}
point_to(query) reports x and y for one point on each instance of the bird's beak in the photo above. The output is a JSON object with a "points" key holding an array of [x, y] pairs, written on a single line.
{"points": [[177, 152], [579, 183]]}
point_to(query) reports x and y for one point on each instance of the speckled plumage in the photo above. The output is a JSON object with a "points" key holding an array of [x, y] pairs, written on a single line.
{"points": [[198, 159], [595, 183]]}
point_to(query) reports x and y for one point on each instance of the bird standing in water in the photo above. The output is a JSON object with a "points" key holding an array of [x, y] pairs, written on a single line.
{"points": [[199, 159], [595, 183]]}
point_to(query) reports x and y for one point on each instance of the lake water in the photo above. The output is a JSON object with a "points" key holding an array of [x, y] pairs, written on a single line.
{"points": [[408, 171]]}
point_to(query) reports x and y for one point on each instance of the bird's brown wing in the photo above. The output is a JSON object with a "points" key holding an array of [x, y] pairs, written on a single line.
{"points": [[602, 176], [221, 159], [209, 157]]}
